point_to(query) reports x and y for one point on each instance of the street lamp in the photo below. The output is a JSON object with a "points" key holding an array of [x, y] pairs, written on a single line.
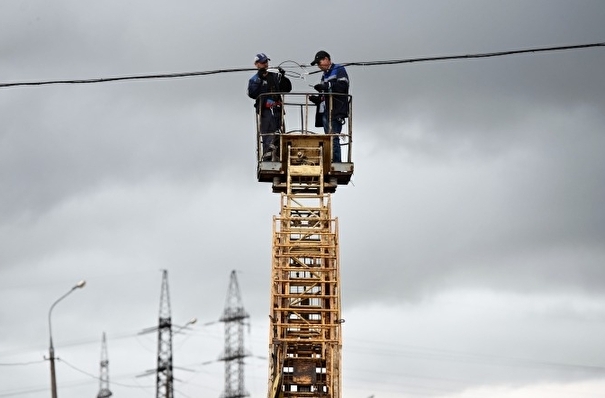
{"points": [[51, 350], [190, 322]]}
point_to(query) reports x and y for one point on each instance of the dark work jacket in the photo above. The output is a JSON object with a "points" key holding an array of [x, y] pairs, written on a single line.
{"points": [[273, 83], [336, 80]]}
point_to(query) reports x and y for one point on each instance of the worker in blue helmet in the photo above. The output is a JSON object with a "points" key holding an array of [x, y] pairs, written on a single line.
{"points": [[268, 107]]}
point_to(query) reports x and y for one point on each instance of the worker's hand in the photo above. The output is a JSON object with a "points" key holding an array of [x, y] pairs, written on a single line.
{"points": [[281, 70], [321, 87], [262, 73], [315, 99]]}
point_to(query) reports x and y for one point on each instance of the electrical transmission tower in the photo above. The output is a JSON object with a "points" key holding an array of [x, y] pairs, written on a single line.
{"points": [[234, 354], [104, 391], [164, 375]]}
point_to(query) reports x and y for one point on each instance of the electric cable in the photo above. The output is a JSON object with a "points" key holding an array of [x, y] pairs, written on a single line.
{"points": [[472, 56], [22, 363], [301, 75], [96, 378]]}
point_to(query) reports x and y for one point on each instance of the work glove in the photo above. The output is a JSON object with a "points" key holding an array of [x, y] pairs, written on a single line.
{"points": [[315, 99], [321, 87], [262, 73], [281, 70]]}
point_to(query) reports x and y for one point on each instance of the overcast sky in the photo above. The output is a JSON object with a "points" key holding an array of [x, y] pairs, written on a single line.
{"points": [[472, 237]]}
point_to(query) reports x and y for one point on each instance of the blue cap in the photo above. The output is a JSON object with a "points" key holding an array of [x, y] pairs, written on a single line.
{"points": [[262, 58]]}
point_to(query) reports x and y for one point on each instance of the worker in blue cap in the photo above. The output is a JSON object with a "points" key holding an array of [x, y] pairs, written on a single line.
{"points": [[269, 108]]}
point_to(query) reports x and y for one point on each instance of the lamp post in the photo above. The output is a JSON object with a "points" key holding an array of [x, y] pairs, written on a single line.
{"points": [[190, 322], [51, 350]]}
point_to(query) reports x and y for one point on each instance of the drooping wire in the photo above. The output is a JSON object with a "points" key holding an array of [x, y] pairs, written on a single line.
{"points": [[97, 378], [302, 75]]}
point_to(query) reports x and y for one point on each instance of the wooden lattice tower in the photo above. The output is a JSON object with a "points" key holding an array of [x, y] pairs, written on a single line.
{"points": [[305, 313]]}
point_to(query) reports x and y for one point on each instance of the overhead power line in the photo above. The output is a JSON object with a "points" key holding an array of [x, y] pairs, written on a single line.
{"points": [[120, 78], [22, 363], [359, 63], [472, 56]]}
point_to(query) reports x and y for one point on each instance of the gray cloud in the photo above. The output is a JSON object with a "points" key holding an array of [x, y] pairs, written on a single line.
{"points": [[471, 239]]}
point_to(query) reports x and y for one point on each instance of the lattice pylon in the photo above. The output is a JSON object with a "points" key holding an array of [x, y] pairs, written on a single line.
{"points": [[104, 391], [234, 317], [164, 370]]}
